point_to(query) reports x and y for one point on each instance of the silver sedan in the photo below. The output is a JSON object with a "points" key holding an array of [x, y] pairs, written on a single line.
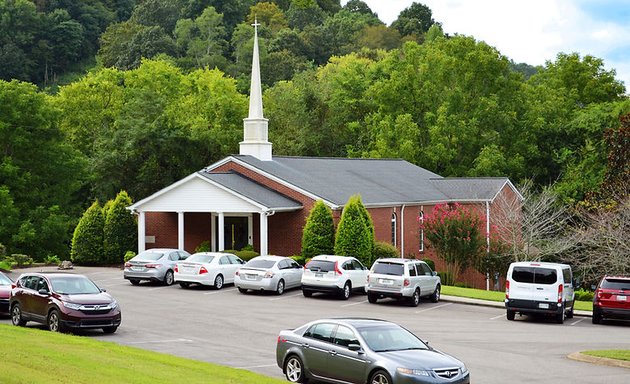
{"points": [[155, 264], [269, 273]]}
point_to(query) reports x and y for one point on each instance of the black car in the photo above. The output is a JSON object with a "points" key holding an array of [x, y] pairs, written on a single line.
{"points": [[63, 301]]}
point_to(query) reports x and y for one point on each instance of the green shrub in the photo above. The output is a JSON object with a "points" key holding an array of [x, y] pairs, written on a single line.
{"points": [[87, 241], [203, 247], [461, 284], [446, 278], [129, 255], [119, 231], [584, 295], [298, 259], [245, 255], [20, 260], [3, 251], [5, 265], [354, 237], [430, 262], [248, 247], [384, 249], [318, 236], [52, 260]]}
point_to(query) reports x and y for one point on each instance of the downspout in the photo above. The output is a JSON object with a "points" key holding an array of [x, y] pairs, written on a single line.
{"points": [[487, 241], [402, 231]]}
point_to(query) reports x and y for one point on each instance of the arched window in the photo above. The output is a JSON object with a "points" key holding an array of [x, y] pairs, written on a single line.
{"points": [[394, 228], [421, 219]]}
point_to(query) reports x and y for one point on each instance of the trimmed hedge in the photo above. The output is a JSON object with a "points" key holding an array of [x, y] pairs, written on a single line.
{"points": [[354, 237], [318, 236], [87, 241], [383, 249], [245, 255]]}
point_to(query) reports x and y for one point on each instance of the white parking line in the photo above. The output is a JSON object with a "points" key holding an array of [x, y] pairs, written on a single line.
{"points": [[579, 321], [285, 297], [351, 304], [432, 308], [161, 341], [220, 291], [497, 317]]}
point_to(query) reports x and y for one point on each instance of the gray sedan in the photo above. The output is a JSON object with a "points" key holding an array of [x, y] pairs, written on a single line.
{"points": [[363, 351], [155, 264], [269, 273]]}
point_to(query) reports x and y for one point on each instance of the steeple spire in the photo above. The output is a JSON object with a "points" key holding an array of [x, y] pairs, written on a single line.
{"points": [[255, 142]]}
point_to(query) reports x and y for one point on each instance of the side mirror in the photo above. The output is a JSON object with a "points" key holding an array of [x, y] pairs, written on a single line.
{"points": [[434, 273], [354, 347], [103, 289], [43, 292]]}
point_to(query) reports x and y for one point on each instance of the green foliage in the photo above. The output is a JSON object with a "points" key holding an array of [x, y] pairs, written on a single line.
{"points": [[583, 295], [299, 259], [20, 261], [87, 242], [354, 237], [414, 20], [245, 255], [120, 230], [129, 255], [446, 278], [430, 263], [247, 247], [318, 235], [383, 249], [203, 247], [5, 265], [52, 260]]}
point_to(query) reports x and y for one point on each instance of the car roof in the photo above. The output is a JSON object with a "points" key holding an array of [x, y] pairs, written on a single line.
{"points": [[620, 277], [270, 257], [357, 322], [395, 260], [162, 250], [50, 274], [213, 253], [332, 257], [538, 264]]}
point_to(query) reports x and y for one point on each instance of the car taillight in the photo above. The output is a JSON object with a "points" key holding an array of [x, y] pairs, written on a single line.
{"points": [[268, 275], [406, 282], [13, 286], [337, 270], [281, 339], [507, 289], [152, 265], [236, 273], [127, 265], [560, 290], [203, 270], [176, 269]]}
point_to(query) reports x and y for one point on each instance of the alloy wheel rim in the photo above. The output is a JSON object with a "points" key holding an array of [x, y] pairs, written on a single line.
{"points": [[416, 297], [346, 291], [16, 315], [380, 379], [53, 322], [294, 370], [219, 282], [169, 278], [280, 287]]}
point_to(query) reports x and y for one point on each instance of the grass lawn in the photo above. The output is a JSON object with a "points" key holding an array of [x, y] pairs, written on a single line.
{"points": [[619, 354], [36, 356], [497, 296]]}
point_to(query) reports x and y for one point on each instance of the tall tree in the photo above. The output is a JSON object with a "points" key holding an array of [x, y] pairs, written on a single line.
{"points": [[203, 39], [414, 20]]}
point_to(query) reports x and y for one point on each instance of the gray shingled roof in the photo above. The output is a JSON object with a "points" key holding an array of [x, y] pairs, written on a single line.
{"points": [[253, 191], [470, 188]]}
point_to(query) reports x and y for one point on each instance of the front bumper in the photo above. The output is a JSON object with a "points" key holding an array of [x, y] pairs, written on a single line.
{"points": [[533, 306], [76, 320], [400, 378]]}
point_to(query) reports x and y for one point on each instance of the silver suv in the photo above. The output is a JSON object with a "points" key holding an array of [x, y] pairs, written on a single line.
{"points": [[407, 279]]}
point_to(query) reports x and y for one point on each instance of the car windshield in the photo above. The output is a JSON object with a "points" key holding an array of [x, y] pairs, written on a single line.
{"points": [[620, 284], [149, 256], [4, 280], [73, 285], [389, 269], [201, 258], [257, 263], [390, 338], [320, 265]]}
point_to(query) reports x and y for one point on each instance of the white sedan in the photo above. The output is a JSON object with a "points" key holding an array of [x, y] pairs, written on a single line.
{"points": [[207, 268]]}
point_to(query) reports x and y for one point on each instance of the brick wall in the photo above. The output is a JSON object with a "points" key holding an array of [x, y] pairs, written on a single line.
{"points": [[162, 225]]}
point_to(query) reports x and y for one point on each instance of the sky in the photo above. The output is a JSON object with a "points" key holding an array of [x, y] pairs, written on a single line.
{"points": [[534, 31]]}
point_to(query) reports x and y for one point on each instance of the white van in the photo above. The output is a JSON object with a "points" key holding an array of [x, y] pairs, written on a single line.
{"points": [[536, 287]]}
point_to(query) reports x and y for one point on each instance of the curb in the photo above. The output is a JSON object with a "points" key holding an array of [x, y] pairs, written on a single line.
{"points": [[495, 304], [578, 356]]}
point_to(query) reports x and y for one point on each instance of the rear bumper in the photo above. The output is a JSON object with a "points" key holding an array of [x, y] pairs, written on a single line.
{"points": [[321, 288], [204, 279], [264, 284], [155, 275], [613, 313], [532, 306], [405, 292]]}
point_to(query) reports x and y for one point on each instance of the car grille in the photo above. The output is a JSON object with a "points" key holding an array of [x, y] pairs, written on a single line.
{"points": [[447, 373], [95, 309]]}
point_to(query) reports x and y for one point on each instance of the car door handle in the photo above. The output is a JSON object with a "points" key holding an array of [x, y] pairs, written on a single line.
{"points": [[305, 345], [540, 289], [333, 353]]}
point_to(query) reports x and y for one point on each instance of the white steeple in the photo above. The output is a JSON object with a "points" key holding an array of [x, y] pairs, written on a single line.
{"points": [[255, 141]]}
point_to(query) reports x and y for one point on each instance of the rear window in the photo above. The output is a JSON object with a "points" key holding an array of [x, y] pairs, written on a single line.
{"points": [[396, 269], [149, 256], [200, 258], [260, 263], [321, 265], [534, 275], [619, 284], [4, 280]]}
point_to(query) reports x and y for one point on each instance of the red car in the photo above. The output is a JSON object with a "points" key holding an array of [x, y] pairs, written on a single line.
{"points": [[5, 292], [63, 301], [612, 299]]}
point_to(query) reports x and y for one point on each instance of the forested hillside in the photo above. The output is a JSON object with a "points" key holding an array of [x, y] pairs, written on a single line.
{"points": [[99, 96]]}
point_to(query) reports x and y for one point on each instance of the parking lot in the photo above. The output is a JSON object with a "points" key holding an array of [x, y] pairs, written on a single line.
{"points": [[229, 328]]}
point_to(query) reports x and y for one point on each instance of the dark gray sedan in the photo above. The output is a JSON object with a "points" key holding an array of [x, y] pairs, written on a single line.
{"points": [[362, 351]]}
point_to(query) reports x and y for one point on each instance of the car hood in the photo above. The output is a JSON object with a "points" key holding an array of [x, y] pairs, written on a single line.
{"points": [[422, 359], [97, 298]]}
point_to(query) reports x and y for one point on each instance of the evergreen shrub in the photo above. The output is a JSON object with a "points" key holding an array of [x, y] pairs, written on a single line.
{"points": [[87, 241], [318, 236]]}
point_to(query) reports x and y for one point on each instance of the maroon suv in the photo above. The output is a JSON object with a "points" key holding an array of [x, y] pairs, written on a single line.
{"points": [[612, 299], [63, 301]]}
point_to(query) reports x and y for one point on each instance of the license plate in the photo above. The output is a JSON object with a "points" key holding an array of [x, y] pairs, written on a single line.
{"points": [[543, 305], [386, 281], [251, 277], [137, 268], [622, 297]]}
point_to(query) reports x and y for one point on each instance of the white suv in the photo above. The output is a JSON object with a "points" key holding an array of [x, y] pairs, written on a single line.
{"points": [[408, 279], [334, 274]]}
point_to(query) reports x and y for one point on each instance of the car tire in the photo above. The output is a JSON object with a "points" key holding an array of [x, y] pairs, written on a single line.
{"points": [[372, 298], [109, 330], [294, 370], [280, 287], [435, 296], [16, 316], [345, 292], [184, 284], [134, 282], [570, 313], [560, 316], [380, 377], [218, 282], [510, 315], [169, 278], [597, 317], [54, 322], [414, 300], [306, 293], [242, 290]]}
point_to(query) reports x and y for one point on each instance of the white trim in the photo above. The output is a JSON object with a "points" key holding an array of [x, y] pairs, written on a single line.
{"points": [[180, 230], [509, 183], [213, 230], [162, 191], [141, 232], [264, 234], [221, 231], [402, 231]]}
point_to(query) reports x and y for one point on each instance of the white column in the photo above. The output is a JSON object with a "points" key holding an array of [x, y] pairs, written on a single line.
{"points": [[141, 232], [213, 230], [250, 229], [221, 232], [180, 230], [263, 234]]}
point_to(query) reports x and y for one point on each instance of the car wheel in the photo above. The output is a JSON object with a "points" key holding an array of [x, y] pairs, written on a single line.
{"points": [[294, 370], [381, 377], [597, 317], [280, 287], [218, 282], [168, 278], [570, 313], [560, 316], [134, 282], [414, 300], [242, 290], [54, 322], [345, 292], [184, 284], [435, 296], [510, 315], [110, 330], [16, 316], [307, 293], [372, 298]]}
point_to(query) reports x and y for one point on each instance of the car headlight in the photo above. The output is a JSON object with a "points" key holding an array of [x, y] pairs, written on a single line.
{"points": [[74, 306], [464, 369], [416, 372], [113, 304]]}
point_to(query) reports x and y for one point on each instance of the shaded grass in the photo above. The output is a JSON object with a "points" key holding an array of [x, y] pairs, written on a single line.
{"points": [[498, 296], [35, 356], [618, 354]]}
